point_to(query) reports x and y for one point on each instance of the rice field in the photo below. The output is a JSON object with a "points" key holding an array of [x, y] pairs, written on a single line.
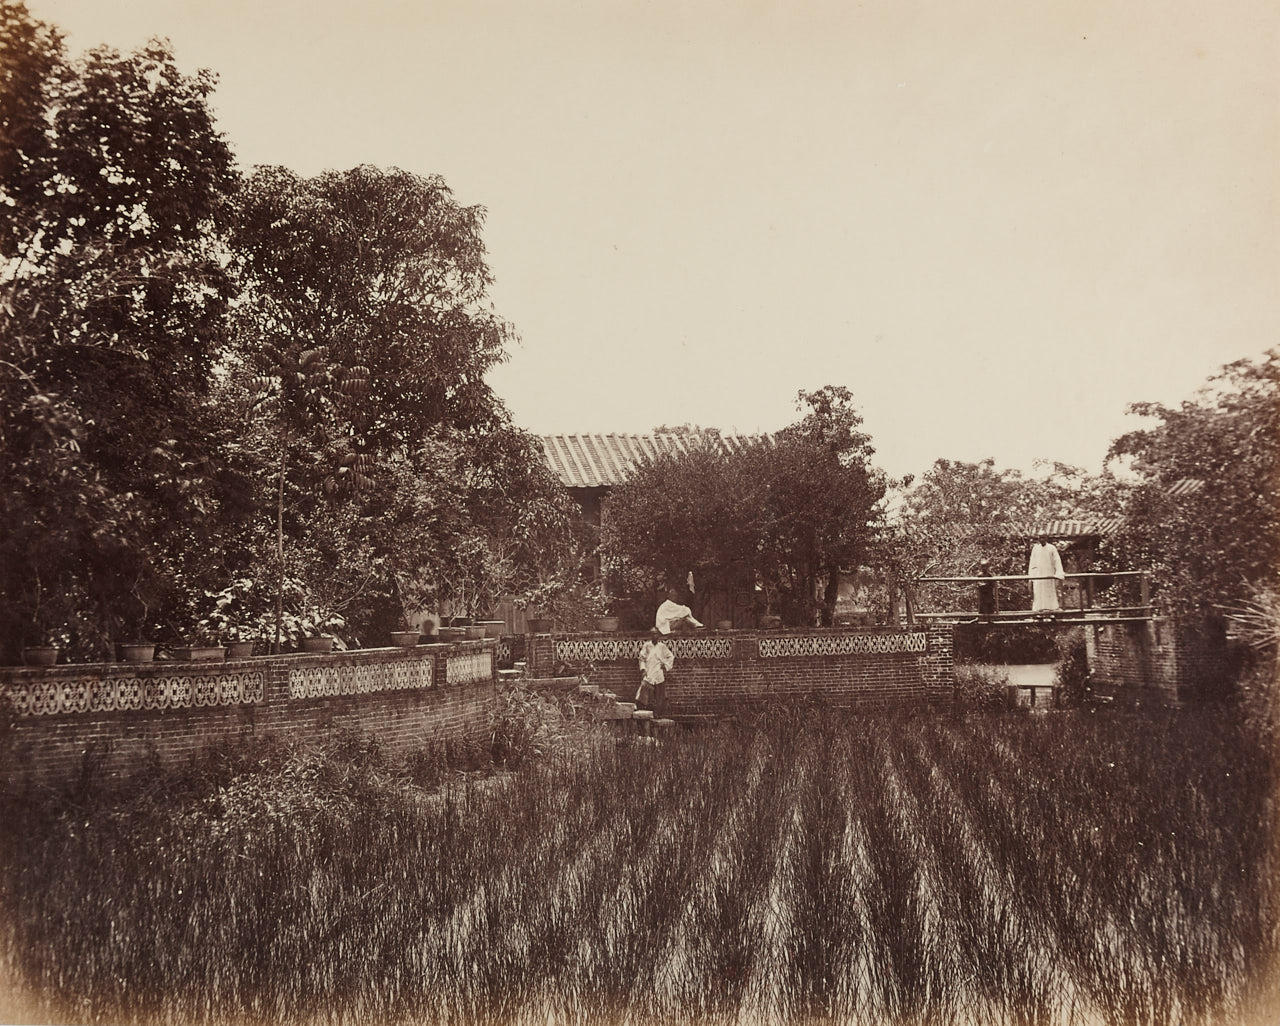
{"points": [[808, 867]]}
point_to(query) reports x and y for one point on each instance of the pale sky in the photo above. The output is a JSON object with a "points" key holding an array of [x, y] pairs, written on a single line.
{"points": [[997, 222]]}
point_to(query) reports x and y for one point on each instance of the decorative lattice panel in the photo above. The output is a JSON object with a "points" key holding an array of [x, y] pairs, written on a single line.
{"points": [[699, 648], [469, 668], [597, 650], [600, 650], [125, 694], [360, 678], [841, 644], [504, 654]]}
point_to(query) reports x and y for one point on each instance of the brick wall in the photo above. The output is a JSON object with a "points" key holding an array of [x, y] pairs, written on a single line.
{"points": [[120, 714], [720, 670], [1167, 656]]}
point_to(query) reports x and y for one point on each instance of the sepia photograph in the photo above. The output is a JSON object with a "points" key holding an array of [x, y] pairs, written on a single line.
{"points": [[648, 512]]}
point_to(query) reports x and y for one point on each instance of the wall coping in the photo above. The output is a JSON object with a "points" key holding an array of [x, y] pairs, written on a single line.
{"points": [[736, 632], [171, 667]]}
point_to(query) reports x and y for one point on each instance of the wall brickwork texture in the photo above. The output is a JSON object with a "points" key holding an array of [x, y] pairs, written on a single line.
{"points": [[119, 717], [718, 671], [1173, 657]]}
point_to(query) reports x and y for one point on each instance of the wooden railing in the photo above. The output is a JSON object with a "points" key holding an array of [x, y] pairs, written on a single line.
{"points": [[1142, 611]]}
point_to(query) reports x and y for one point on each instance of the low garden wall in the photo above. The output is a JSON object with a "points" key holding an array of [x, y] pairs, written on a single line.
{"points": [[112, 718], [718, 671]]}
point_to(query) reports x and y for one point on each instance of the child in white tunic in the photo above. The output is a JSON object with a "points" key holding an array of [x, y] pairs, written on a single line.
{"points": [[655, 659]]}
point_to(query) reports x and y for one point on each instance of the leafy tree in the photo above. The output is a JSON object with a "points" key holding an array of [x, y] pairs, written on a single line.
{"points": [[1218, 544], [367, 325], [381, 270], [784, 515], [822, 502], [695, 511], [113, 297]]}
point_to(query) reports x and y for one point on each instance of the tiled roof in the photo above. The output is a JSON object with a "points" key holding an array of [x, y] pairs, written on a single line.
{"points": [[1058, 530], [601, 461], [1185, 486]]}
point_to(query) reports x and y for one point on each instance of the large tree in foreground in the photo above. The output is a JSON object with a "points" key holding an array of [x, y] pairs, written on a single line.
{"points": [[365, 326], [112, 299]]}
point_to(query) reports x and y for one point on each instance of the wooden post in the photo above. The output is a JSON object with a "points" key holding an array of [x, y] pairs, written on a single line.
{"points": [[1144, 590]]}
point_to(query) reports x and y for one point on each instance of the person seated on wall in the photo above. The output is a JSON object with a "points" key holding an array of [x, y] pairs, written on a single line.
{"points": [[672, 615]]}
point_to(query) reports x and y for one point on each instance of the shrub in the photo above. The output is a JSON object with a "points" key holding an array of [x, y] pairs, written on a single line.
{"points": [[1072, 674], [980, 687]]}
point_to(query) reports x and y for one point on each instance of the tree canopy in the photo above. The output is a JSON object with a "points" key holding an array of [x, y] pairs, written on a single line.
{"points": [[114, 302], [219, 393], [782, 516], [1205, 514]]}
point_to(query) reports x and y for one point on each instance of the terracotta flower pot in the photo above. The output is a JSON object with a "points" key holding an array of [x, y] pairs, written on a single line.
{"points": [[770, 622], [474, 631], [537, 625], [608, 624], [140, 652], [322, 644], [40, 655], [200, 653], [493, 628], [404, 639], [240, 649]]}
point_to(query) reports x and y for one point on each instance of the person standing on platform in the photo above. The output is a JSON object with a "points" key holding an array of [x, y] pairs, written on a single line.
{"points": [[1046, 565], [986, 591]]}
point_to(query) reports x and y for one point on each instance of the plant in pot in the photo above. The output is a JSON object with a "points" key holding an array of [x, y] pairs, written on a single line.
{"points": [[234, 619], [415, 597], [203, 648], [310, 619], [607, 621], [50, 612], [314, 630], [141, 649]]}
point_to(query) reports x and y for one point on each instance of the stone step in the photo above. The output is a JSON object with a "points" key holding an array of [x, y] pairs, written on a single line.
{"points": [[559, 685], [664, 725], [610, 711], [643, 714]]}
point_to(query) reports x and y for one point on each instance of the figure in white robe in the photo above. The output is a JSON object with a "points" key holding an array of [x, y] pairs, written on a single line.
{"points": [[1045, 563], [671, 614]]}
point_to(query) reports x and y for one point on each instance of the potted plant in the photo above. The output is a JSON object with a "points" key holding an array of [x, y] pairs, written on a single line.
{"points": [[538, 624], [415, 596], [141, 649], [232, 619], [40, 655], [204, 649], [50, 611]]}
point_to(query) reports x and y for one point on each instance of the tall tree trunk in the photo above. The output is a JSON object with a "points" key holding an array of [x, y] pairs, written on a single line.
{"points": [[275, 647], [830, 596]]}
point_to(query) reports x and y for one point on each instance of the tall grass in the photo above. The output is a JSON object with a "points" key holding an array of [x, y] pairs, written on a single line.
{"points": [[805, 866]]}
